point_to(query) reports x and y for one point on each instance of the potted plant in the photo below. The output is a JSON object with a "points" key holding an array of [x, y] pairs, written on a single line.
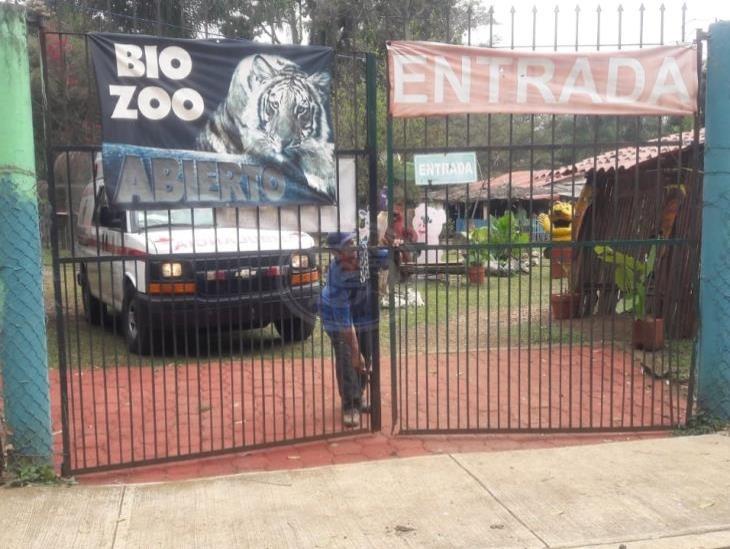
{"points": [[476, 256], [505, 230], [501, 234], [564, 306], [632, 277]]}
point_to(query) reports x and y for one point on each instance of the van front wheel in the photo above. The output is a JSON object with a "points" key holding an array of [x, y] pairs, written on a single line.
{"points": [[136, 326], [93, 309]]}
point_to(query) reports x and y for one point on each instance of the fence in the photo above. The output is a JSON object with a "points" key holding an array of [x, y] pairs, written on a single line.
{"points": [[541, 343], [233, 357], [550, 338]]}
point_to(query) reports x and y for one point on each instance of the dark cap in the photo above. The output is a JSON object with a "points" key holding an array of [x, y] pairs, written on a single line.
{"points": [[339, 239]]}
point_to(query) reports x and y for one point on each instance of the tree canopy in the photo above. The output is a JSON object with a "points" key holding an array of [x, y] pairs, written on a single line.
{"points": [[349, 27]]}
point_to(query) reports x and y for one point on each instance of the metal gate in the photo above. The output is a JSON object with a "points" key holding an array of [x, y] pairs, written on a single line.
{"points": [[538, 345], [190, 375], [540, 340]]}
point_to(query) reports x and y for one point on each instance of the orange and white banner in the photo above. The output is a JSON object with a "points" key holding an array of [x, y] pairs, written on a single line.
{"points": [[428, 78]]}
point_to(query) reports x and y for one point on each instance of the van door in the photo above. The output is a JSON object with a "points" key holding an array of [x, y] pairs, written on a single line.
{"points": [[111, 224], [117, 244], [91, 242], [86, 238]]}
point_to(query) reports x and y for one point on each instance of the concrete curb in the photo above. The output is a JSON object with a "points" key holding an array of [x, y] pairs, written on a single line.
{"points": [[655, 493]]}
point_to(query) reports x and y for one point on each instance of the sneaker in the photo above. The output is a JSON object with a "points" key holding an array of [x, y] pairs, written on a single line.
{"points": [[365, 408], [351, 418]]}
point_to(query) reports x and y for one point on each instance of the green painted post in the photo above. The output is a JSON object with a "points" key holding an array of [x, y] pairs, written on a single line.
{"points": [[23, 352], [713, 391]]}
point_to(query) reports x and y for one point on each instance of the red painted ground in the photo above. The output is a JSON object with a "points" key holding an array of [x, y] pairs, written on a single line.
{"points": [[562, 387], [125, 414], [348, 450]]}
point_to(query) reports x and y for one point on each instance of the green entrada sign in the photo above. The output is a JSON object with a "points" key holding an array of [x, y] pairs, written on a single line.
{"points": [[445, 169]]}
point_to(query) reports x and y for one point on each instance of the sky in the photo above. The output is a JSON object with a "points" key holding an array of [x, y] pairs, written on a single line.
{"points": [[700, 14]]}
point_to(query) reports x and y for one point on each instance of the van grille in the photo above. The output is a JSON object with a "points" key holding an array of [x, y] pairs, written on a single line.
{"points": [[228, 277]]}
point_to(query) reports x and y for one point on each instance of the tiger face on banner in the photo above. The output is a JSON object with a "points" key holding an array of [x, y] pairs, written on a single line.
{"points": [[214, 122]]}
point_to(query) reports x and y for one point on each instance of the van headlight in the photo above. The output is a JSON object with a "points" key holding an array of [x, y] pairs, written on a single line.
{"points": [[300, 261], [171, 269]]}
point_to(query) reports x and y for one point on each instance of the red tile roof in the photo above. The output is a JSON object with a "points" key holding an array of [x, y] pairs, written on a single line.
{"points": [[566, 180]]}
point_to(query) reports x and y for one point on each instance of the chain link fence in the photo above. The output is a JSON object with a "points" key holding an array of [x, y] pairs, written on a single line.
{"points": [[3, 430]]}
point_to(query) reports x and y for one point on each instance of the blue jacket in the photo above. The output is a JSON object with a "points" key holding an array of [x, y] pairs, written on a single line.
{"points": [[347, 301]]}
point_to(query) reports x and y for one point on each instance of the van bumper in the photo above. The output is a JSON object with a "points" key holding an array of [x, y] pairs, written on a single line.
{"points": [[242, 311]]}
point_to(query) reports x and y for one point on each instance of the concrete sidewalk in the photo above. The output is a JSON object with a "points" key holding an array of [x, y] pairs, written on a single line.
{"points": [[670, 492]]}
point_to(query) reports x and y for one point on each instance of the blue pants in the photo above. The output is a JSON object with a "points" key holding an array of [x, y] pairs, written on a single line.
{"points": [[351, 384]]}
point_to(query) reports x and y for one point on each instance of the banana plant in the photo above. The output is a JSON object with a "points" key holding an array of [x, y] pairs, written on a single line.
{"points": [[631, 276], [505, 231], [478, 255]]}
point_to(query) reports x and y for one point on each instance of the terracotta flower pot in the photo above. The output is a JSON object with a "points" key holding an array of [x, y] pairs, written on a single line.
{"points": [[648, 334], [564, 306], [476, 274]]}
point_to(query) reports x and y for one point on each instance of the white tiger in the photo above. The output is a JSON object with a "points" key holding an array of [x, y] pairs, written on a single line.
{"points": [[277, 114]]}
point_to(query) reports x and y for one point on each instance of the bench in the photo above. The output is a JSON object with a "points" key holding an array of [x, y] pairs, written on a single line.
{"points": [[433, 268], [437, 270]]}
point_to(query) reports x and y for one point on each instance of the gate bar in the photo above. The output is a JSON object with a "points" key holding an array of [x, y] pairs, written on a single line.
{"points": [[57, 294], [372, 148]]}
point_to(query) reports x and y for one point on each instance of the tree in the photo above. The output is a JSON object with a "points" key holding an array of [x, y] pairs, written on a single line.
{"points": [[349, 27], [365, 26], [276, 21]]}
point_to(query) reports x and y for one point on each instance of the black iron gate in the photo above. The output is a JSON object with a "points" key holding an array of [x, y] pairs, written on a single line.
{"points": [[512, 311], [537, 344], [183, 372]]}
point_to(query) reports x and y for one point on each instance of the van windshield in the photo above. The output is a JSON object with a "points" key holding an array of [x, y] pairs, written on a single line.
{"points": [[203, 217]]}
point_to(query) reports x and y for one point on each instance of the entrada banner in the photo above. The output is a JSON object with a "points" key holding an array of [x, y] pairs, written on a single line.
{"points": [[438, 79], [214, 122]]}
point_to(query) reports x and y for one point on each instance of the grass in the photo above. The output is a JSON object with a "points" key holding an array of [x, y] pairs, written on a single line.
{"points": [[681, 354], [505, 311], [103, 346], [702, 423], [24, 471], [529, 291], [33, 474], [502, 311]]}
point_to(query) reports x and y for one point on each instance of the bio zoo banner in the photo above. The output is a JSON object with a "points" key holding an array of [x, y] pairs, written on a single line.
{"points": [[214, 122]]}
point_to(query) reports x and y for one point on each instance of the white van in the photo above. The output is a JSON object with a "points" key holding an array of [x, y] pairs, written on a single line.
{"points": [[162, 270]]}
